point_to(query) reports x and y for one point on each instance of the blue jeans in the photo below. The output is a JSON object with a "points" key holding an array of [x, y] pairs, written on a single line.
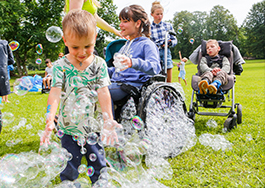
{"points": [[169, 58], [71, 171], [118, 94]]}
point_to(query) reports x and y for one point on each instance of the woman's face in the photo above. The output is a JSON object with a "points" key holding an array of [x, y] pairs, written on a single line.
{"points": [[157, 15]]}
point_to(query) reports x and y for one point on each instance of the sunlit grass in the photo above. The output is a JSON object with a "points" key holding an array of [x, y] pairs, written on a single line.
{"points": [[243, 166]]}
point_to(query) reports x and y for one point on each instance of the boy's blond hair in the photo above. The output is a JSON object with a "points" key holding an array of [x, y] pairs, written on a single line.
{"points": [[79, 23], [214, 41], [185, 59]]}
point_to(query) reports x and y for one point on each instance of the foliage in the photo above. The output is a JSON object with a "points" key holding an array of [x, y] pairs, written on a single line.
{"points": [[26, 22], [219, 24], [107, 13], [254, 28]]}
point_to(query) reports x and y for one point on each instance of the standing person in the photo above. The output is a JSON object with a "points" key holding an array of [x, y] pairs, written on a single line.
{"points": [[79, 29], [60, 55], [91, 6], [48, 74], [214, 68], [6, 58], [182, 71], [158, 33], [140, 55]]}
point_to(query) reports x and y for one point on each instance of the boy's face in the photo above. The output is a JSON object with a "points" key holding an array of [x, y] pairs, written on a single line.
{"points": [[80, 48], [212, 49]]}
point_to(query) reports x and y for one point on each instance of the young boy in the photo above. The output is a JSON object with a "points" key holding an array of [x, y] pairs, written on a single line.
{"points": [[182, 71], [77, 74], [48, 74], [214, 69]]}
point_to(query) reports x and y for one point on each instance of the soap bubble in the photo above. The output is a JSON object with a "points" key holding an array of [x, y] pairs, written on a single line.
{"points": [[180, 25], [180, 30], [54, 34], [60, 133], [38, 61], [14, 45], [7, 118], [192, 40], [92, 138], [90, 171], [93, 157], [137, 122], [39, 49], [22, 85], [82, 168]]}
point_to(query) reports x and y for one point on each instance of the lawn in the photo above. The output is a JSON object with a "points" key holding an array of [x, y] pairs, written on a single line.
{"points": [[201, 166]]}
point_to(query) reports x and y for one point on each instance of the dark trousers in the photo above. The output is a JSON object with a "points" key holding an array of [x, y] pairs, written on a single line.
{"points": [[71, 170]]}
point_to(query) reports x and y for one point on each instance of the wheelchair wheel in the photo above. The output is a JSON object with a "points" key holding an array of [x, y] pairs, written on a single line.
{"points": [[230, 123], [239, 113], [167, 125]]}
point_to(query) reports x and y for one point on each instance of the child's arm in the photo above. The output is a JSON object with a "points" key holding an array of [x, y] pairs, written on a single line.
{"points": [[52, 105], [180, 57], [109, 133], [45, 74]]}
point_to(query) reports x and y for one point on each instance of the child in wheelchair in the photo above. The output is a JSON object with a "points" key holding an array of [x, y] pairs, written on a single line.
{"points": [[139, 55], [214, 68]]}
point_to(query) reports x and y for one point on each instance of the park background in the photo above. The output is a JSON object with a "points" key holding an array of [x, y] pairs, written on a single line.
{"points": [[243, 166]]}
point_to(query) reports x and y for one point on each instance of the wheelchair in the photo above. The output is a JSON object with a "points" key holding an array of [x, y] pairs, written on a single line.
{"points": [[214, 101], [161, 108], [44, 89]]}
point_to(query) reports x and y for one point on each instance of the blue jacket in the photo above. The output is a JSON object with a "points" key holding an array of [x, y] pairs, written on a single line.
{"points": [[145, 62]]}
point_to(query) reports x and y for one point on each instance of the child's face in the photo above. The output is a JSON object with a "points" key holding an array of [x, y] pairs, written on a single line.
{"points": [[157, 15], [80, 48], [130, 28], [212, 49], [49, 64]]}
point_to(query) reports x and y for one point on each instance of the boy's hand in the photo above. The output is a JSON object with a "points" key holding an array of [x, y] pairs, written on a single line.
{"points": [[45, 138], [215, 71], [108, 134]]}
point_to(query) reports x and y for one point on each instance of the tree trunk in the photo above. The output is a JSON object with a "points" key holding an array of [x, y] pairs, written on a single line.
{"points": [[25, 70], [18, 61]]}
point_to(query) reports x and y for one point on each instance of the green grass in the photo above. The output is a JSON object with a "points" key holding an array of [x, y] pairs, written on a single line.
{"points": [[201, 166]]}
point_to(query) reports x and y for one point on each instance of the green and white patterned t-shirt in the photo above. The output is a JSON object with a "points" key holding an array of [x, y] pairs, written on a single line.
{"points": [[79, 94]]}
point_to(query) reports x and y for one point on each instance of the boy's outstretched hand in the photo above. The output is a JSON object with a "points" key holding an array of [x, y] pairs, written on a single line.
{"points": [[108, 134], [45, 138]]}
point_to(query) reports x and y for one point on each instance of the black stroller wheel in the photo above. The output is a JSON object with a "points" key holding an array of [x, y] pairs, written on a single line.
{"points": [[239, 113]]}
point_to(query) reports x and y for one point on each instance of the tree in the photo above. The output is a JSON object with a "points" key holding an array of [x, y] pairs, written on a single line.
{"points": [[254, 29], [221, 25], [193, 25], [107, 13], [26, 22]]}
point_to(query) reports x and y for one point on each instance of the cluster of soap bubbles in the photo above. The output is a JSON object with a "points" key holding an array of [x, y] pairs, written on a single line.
{"points": [[216, 142], [32, 169], [22, 85]]}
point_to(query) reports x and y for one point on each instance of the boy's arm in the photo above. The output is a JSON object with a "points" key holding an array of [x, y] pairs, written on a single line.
{"points": [[226, 65], [52, 105], [109, 135], [105, 101], [203, 65], [45, 74]]}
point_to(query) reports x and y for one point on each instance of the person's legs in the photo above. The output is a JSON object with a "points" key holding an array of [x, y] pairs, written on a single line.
{"points": [[44, 83], [169, 66], [49, 81], [95, 158], [71, 171], [206, 78], [179, 79], [185, 81], [169, 75]]}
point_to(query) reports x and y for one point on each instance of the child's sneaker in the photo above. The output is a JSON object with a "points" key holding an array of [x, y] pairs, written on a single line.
{"points": [[213, 87], [203, 85]]}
